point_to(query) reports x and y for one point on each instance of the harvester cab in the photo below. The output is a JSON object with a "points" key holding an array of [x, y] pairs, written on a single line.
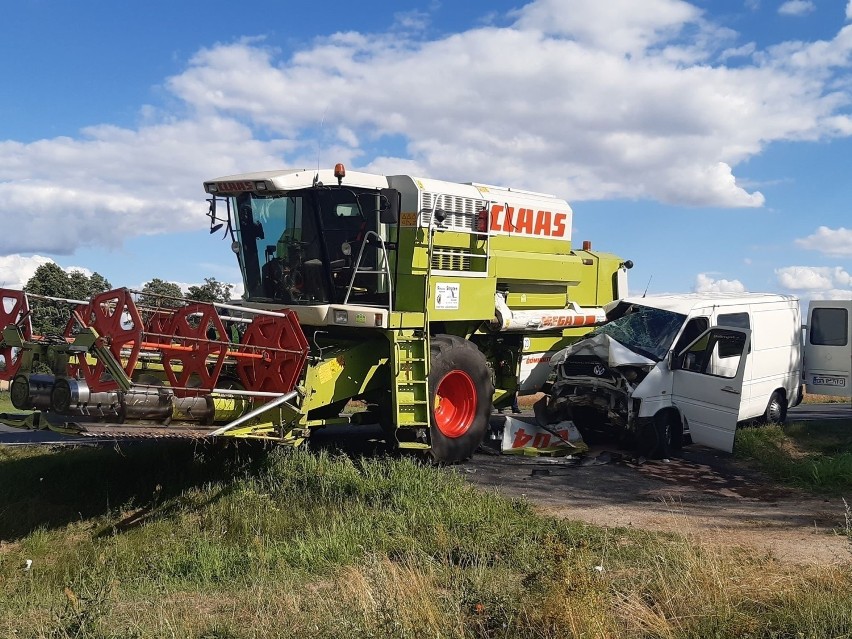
{"points": [[298, 239], [414, 303]]}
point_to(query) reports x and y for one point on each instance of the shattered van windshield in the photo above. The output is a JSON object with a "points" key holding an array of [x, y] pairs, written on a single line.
{"points": [[647, 331]]}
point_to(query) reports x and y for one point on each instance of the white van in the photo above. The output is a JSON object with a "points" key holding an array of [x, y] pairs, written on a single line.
{"points": [[661, 368], [828, 348]]}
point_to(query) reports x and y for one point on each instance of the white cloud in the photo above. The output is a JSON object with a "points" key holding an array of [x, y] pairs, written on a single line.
{"points": [[706, 284], [645, 125], [16, 270], [618, 26], [813, 278], [611, 99], [796, 8], [114, 183], [744, 51], [413, 20], [836, 294], [834, 242]]}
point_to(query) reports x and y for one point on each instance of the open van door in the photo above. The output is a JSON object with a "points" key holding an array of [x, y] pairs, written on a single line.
{"points": [[828, 348], [708, 396]]}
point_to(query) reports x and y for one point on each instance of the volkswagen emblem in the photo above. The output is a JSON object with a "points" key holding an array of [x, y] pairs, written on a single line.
{"points": [[599, 370]]}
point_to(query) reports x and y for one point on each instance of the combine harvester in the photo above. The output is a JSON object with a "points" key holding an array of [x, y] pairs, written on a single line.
{"points": [[430, 302]]}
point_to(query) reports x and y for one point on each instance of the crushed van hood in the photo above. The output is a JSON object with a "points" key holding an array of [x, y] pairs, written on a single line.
{"points": [[606, 349]]}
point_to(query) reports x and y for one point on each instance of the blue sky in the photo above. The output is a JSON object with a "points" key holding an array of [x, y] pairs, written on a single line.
{"points": [[708, 142]]}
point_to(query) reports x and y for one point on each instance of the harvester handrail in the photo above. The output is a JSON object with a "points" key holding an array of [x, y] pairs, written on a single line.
{"points": [[56, 299], [230, 307], [386, 271]]}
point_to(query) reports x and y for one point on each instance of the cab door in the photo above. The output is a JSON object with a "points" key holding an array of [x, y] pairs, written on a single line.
{"points": [[828, 348], [709, 396]]}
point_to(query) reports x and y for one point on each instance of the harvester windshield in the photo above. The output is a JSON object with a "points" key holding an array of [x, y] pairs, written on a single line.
{"points": [[300, 247]]}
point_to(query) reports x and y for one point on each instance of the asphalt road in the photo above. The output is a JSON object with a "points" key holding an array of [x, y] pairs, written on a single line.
{"points": [[811, 412]]}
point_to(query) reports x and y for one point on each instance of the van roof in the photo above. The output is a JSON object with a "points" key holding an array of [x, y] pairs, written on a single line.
{"points": [[685, 302]]}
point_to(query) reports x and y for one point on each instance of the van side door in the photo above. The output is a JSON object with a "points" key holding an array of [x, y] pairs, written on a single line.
{"points": [[707, 397], [828, 348]]}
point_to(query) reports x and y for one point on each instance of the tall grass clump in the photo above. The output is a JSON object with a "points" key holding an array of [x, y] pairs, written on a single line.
{"points": [[807, 455], [302, 544]]}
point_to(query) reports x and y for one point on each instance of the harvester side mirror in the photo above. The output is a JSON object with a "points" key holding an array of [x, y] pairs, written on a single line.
{"points": [[211, 213], [389, 206]]}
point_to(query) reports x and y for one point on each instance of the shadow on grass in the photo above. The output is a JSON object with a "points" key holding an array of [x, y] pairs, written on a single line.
{"points": [[52, 487]]}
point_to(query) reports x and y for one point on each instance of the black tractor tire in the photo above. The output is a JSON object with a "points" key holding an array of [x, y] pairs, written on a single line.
{"points": [[460, 393], [776, 409]]}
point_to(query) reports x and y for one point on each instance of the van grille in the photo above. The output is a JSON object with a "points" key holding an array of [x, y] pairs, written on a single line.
{"points": [[586, 366]]}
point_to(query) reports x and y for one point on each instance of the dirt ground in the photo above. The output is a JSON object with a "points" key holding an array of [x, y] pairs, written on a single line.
{"points": [[704, 494]]}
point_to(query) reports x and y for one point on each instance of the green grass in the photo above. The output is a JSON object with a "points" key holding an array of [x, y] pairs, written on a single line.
{"points": [[169, 540], [6, 403], [816, 455]]}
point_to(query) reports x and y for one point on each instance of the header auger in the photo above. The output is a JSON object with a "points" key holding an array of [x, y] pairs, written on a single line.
{"points": [[425, 302]]}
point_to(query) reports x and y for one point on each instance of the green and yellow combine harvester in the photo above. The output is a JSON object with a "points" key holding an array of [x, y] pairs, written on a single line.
{"points": [[426, 303]]}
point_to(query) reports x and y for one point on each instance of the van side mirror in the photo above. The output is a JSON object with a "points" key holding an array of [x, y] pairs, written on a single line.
{"points": [[672, 361], [389, 206]]}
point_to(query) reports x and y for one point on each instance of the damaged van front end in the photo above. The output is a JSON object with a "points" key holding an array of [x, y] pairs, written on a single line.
{"points": [[613, 384], [666, 367]]}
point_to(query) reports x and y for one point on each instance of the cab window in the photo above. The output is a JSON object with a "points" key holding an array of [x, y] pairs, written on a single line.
{"points": [[738, 320], [829, 327], [693, 329]]}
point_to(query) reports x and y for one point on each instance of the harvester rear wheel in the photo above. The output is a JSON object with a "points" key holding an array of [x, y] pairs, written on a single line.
{"points": [[460, 392]]}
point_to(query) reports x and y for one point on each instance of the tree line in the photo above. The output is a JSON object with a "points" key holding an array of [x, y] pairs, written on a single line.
{"points": [[50, 280]]}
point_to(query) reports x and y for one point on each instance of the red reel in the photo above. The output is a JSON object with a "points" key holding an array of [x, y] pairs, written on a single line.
{"points": [[115, 318], [283, 347], [157, 326], [193, 364], [13, 306]]}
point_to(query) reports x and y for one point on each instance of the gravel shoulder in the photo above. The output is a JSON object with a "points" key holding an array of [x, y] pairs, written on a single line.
{"points": [[704, 494]]}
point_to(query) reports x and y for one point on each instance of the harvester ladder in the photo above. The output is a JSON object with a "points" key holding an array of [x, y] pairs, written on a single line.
{"points": [[411, 362], [410, 383]]}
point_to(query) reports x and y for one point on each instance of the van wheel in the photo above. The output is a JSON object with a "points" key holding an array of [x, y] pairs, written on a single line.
{"points": [[654, 438], [460, 392], [675, 433], [776, 409]]}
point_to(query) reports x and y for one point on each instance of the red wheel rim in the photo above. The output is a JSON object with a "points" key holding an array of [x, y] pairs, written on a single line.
{"points": [[455, 404]]}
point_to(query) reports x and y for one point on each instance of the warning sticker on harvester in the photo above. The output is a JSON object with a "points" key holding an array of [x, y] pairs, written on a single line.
{"points": [[446, 296]]}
